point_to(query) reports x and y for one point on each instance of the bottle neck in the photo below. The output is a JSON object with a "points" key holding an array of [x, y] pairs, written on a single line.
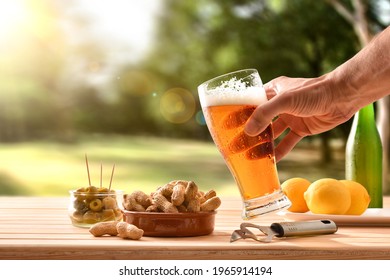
{"points": [[366, 113]]}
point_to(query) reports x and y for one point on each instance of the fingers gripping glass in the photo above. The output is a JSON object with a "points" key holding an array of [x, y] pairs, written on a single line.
{"points": [[227, 103]]}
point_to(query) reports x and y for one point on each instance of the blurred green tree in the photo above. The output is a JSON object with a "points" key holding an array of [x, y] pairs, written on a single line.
{"points": [[46, 88], [28, 89], [198, 40]]}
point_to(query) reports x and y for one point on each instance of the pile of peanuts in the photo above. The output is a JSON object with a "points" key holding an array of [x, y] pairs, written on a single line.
{"points": [[178, 196]]}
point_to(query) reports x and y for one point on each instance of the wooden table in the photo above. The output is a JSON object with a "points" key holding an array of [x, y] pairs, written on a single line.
{"points": [[39, 228]]}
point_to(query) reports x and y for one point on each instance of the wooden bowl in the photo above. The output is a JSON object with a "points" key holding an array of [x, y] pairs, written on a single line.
{"points": [[172, 224]]}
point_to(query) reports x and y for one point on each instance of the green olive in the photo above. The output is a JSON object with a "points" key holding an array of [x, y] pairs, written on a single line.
{"points": [[79, 205], [109, 203], [108, 215], [96, 205], [77, 216], [91, 217], [79, 194], [91, 193], [118, 214], [91, 189]]}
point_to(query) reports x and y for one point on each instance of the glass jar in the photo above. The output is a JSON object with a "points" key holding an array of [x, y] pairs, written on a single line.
{"points": [[88, 206]]}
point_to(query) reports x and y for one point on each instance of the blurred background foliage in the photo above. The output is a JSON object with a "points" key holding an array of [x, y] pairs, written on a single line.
{"points": [[65, 81]]}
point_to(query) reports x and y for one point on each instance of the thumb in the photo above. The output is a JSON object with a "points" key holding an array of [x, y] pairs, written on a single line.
{"points": [[264, 114]]}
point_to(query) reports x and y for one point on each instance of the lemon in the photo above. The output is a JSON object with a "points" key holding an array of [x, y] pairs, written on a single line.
{"points": [[360, 199], [294, 189], [328, 196]]}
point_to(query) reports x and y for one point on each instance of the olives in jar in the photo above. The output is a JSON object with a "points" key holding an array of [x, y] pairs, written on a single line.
{"points": [[92, 205]]}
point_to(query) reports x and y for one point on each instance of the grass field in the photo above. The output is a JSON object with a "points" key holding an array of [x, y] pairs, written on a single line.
{"points": [[52, 169]]}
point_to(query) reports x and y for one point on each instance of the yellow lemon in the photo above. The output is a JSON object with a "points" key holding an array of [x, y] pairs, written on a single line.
{"points": [[294, 189], [360, 199], [328, 196]]}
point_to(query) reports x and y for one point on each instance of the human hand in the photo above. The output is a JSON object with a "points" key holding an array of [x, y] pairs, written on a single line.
{"points": [[304, 106], [253, 147]]}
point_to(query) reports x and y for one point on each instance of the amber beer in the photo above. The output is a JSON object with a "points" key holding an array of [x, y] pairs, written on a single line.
{"points": [[250, 159], [227, 103]]}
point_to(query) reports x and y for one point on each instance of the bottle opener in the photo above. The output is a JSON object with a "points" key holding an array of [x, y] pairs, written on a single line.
{"points": [[284, 229]]}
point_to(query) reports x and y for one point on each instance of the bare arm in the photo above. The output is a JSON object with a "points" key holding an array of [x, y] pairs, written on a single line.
{"points": [[367, 74], [314, 105]]}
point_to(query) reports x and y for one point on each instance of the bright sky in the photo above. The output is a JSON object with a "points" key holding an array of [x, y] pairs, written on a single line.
{"points": [[124, 27], [129, 21], [11, 13]]}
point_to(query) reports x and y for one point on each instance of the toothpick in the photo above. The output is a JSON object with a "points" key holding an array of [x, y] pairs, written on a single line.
{"points": [[112, 175], [89, 177], [101, 171]]}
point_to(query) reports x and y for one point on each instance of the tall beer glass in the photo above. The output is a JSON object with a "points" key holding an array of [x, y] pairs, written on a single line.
{"points": [[227, 102]]}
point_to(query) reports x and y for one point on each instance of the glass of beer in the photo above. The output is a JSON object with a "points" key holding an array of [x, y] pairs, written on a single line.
{"points": [[227, 102]]}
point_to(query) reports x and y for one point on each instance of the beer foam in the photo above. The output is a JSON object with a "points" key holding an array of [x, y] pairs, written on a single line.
{"points": [[233, 95]]}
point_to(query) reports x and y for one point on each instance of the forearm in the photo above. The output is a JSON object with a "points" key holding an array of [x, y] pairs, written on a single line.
{"points": [[365, 78]]}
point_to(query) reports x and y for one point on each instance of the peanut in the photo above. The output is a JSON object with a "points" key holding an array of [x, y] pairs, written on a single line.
{"points": [[200, 196], [130, 204], [104, 228], [211, 204], [210, 194], [190, 192], [178, 192], [193, 205], [181, 208], [142, 198], [152, 208], [165, 190], [129, 231], [173, 197], [174, 182], [163, 204], [137, 201]]}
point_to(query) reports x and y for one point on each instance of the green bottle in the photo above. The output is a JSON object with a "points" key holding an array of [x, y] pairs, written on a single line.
{"points": [[363, 162]]}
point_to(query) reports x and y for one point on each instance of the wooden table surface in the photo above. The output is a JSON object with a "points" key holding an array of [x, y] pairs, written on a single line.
{"points": [[39, 228]]}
